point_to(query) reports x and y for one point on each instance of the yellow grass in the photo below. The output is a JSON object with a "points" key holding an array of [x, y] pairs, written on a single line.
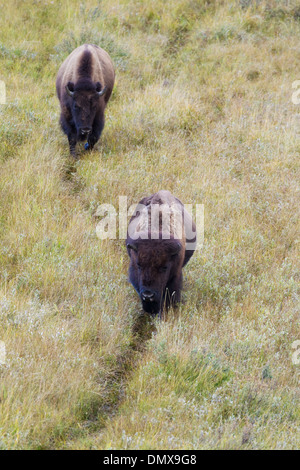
{"points": [[202, 107]]}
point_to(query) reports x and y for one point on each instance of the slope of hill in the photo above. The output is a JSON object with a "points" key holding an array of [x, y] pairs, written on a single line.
{"points": [[202, 107]]}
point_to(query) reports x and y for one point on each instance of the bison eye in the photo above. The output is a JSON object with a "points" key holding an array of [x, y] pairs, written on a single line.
{"points": [[139, 266], [163, 269]]}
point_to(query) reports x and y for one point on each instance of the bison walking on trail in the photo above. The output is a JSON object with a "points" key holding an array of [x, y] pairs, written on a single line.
{"points": [[161, 239], [84, 84]]}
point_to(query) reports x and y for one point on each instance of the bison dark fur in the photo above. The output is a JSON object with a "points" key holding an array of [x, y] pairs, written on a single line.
{"points": [[157, 257], [84, 84]]}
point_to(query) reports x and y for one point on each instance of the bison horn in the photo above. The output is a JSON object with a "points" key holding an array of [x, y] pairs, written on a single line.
{"points": [[130, 246], [175, 249], [70, 89], [101, 93]]}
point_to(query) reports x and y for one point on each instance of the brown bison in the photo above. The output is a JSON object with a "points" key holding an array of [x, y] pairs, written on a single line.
{"points": [[84, 84], [161, 239]]}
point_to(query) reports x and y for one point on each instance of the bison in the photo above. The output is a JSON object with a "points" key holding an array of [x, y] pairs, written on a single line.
{"points": [[161, 238], [84, 84]]}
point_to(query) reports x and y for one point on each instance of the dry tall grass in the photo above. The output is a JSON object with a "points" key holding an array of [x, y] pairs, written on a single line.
{"points": [[202, 107]]}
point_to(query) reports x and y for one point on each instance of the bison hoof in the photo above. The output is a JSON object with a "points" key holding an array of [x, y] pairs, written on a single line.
{"points": [[87, 146]]}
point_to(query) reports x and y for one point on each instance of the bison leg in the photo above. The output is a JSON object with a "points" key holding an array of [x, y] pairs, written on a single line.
{"points": [[96, 133], [72, 144], [173, 291], [71, 133]]}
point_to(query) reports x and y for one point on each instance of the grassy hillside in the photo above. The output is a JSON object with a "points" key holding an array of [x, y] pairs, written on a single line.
{"points": [[202, 107]]}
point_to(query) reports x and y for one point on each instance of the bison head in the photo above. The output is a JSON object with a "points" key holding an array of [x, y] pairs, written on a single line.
{"points": [[153, 264], [85, 105]]}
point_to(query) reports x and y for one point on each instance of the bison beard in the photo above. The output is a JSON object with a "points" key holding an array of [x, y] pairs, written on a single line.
{"points": [[156, 262]]}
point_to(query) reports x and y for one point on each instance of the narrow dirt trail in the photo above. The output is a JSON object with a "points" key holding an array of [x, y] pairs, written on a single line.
{"points": [[143, 327]]}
